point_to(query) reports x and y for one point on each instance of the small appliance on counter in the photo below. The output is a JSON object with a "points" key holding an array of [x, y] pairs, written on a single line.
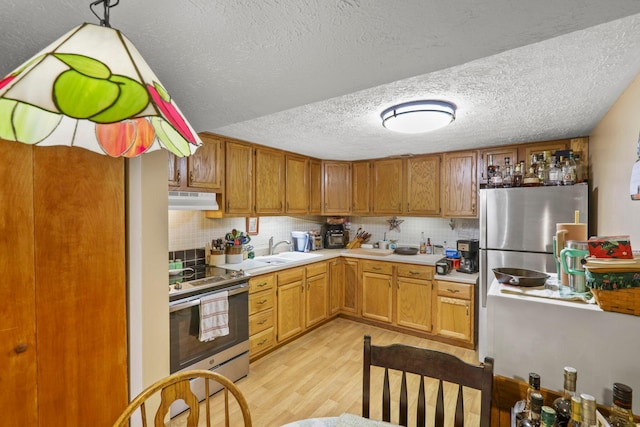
{"points": [[316, 239], [300, 240], [334, 236], [443, 266], [469, 251]]}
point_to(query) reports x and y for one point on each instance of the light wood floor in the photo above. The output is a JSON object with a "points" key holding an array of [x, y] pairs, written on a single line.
{"points": [[320, 375]]}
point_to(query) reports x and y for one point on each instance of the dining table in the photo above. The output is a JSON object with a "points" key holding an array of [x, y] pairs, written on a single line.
{"points": [[344, 420]]}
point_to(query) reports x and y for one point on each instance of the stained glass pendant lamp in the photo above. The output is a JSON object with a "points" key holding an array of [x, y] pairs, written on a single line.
{"points": [[91, 88]]}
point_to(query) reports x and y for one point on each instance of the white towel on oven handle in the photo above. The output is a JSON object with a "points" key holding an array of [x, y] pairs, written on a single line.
{"points": [[214, 316]]}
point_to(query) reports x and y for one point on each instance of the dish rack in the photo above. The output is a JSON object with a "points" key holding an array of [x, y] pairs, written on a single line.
{"points": [[615, 283]]}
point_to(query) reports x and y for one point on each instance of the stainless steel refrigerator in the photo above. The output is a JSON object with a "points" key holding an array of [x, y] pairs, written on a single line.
{"points": [[517, 226]]}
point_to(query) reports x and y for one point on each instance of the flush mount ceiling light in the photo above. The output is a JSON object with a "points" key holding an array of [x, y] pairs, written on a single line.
{"points": [[418, 116], [91, 88]]}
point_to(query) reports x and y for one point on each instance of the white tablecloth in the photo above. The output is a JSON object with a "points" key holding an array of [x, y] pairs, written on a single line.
{"points": [[344, 420]]}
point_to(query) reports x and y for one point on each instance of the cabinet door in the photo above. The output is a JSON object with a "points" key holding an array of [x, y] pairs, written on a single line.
{"points": [[349, 303], [336, 191], [315, 187], [336, 279], [498, 153], [269, 183], [453, 318], [238, 178], [387, 186], [377, 296], [413, 303], [316, 299], [361, 187], [297, 185], [290, 310], [460, 189], [423, 185], [540, 147], [18, 405], [175, 171], [205, 167]]}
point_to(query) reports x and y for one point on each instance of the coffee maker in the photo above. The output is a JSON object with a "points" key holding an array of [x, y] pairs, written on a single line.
{"points": [[469, 251]]}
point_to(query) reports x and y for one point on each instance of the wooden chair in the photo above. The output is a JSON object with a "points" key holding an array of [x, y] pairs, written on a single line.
{"points": [[176, 387], [430, 363]]}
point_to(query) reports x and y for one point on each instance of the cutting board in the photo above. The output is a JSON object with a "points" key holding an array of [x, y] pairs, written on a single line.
{"points": [[379, 252]]}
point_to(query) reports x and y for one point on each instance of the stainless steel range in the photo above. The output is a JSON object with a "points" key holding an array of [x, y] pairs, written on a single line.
{"points": [[227, 355]]}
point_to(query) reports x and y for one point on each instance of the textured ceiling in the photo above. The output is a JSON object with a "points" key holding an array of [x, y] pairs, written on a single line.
{"points": [[312, 76]]}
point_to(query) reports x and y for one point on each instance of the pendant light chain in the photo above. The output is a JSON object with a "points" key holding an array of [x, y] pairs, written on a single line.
{"points": [[104, 21]]}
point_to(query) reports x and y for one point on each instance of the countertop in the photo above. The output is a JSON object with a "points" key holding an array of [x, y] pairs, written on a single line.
{"points": [[249, 265]]}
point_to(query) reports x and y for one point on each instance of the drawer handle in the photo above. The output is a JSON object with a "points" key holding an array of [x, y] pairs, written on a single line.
{"points": [[414, 272], [453, 291], [376, 268], [261, 301], [262, 322], [261, 284], [263, 341]]}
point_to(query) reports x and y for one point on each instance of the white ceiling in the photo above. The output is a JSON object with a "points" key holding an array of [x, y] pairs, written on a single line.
{"points": [[312, 76]]}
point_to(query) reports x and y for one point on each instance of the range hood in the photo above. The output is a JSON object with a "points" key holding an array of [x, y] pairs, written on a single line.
{"points": [[192, 201]]}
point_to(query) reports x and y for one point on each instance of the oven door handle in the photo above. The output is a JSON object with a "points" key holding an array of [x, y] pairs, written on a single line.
{"points": [[234, 290]]}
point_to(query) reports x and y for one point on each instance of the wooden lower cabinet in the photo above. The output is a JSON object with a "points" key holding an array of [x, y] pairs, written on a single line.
{"points": [[414, 296], [290, 303], [344, 286], [316, 294], [454, 310], [261, 314], [377, 291]]}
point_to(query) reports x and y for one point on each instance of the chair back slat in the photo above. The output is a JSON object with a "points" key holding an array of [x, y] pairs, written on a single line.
{"points": [[459, 420], [426, 363], [439, 422], [422, 407]]}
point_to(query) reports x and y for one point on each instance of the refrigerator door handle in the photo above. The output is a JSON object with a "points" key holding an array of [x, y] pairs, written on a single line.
{"points": [[484, 274]]}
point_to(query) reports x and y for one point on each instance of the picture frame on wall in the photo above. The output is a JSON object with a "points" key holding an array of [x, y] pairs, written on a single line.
{"points": [[253, 222]]}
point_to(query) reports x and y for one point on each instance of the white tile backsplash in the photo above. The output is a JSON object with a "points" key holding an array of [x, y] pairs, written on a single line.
{"points": [[191, 229]]}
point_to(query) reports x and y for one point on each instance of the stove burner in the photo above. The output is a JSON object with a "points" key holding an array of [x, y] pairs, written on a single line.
{"points": [[201, 279]]}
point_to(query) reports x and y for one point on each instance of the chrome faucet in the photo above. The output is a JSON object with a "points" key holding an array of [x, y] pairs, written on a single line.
{"points": [[273, 247]]}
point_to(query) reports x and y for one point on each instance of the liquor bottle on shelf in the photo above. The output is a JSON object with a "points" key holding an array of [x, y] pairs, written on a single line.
{"points": [[569, 171], [588, 410], [507, 176], [517, 175], [429, 247], [562, 405], [543, 173], [580, 173], [532, 419], [548, 417], [496, 179], [621, 414], [555, 172], [491, 170], [576, 412], [531, 178], [423, 244]]}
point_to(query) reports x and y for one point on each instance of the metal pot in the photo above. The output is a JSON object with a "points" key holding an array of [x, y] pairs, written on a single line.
{"points": [[520, 277]]}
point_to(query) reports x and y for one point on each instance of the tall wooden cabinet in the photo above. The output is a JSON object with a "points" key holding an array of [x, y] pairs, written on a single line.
{"points": [[423, 185], [361, 187], [238, 178], [297, 184], [317, 292], [269, 181], [460, 188], [63, 339], [336, 191], [387, 186]]}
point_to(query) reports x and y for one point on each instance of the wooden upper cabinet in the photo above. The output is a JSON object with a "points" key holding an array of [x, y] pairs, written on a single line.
{"points": [[336, 191], [460, 189], [202, 171], [499, 154], [238, 178], [297, 184], [387, 186], [269, 183], [361, 187], [423, 185], [540, 147], [315, 186]]}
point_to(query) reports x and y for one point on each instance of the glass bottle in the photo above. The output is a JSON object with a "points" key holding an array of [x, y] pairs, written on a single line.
{"points": [[576, 412], [562, 405], [555, 172], [496, 180], [532, 419], [423, 244], [569, 171], [429, 247], [534, 386], [621, 414], [491, 170], [531, 178], [543, 173], [548, 417], [507, 176], [517, 175], [588, 410], [579, 168]]}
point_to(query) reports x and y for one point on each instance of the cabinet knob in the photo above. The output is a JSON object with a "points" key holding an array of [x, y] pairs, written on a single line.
{"points": [[190, 177], [178, 177], [21, 348], [389, 282]]}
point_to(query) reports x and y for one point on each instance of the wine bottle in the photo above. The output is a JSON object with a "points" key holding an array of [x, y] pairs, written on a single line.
{"points": [[548, 417], [533, 416]]}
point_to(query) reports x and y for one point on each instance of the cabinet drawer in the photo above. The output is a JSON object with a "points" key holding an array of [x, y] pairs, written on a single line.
{"points": [[260, 301], [260, 321], [289, 276], [261, 342], [377, 267], [316, 269], [261, 283], [455, 290], [415, 271]]}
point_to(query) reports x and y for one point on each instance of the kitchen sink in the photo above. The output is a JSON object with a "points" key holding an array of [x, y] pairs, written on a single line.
{"points": [[297, 256], [272, 259]]}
